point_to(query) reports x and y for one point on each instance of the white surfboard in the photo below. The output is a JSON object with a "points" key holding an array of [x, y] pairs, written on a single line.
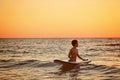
{"points": [[67, 66], [71, 63]]}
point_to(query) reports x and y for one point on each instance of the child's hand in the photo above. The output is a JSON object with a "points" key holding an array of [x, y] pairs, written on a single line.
{"points": [[85, 59]]}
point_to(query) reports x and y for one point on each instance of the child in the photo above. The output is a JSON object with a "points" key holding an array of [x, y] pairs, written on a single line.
{"points": [[73, 53]]}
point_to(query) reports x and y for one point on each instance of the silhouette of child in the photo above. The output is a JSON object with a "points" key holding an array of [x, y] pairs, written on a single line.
{"points": [[73, 53]]}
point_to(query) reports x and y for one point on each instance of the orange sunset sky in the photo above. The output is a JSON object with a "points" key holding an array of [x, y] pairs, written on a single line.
{"points": [[59, 18]]}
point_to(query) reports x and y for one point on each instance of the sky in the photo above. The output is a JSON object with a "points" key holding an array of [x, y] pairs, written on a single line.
{"points": [[59, 18]]}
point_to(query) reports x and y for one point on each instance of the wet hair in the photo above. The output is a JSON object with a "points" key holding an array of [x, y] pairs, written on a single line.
{"points": [[74, 42]]}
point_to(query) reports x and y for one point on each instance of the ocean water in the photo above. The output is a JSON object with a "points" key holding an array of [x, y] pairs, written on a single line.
{"points": [[32, 59]]}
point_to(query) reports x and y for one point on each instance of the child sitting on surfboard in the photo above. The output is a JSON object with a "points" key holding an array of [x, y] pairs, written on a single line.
{"points": [[73, 53]]}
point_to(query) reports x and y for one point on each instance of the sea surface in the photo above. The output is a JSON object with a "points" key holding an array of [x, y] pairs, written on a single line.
{"points": [[32, 59]]}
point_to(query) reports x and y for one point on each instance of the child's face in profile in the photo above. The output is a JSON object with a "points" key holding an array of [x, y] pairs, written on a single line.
{"points": [[76, 45]]}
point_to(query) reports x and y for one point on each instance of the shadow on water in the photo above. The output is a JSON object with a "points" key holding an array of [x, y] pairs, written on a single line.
{"points": [[103, 72], [72, 70]]}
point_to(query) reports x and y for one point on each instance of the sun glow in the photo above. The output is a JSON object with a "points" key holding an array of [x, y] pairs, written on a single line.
{"points": [[59, 18]]}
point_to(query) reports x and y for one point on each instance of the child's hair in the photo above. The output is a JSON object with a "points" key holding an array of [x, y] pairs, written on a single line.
{"points": [[74, 42]]}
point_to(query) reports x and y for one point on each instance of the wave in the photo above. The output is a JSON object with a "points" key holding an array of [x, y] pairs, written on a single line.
{"points": [[9, 60], [117, 44], [86, 70], [104, 49], [103, 71], [9, 51], [13, 51], [27, 63], [112, 44]]}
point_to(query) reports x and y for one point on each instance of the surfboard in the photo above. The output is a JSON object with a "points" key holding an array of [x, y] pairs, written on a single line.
{"points": [[71, 63]]}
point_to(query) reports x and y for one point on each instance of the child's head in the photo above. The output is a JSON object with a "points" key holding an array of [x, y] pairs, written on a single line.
{"points": [[74, 43]]}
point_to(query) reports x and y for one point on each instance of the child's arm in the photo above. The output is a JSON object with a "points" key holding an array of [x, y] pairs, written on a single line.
{"points": [[69, 54], [80, 57]]}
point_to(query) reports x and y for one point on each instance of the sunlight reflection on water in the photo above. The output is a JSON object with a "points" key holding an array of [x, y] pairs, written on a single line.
{"points": [[32, 59]]}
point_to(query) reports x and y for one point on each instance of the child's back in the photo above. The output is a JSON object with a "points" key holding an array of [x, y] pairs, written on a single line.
{"points": [[73, 54]]}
